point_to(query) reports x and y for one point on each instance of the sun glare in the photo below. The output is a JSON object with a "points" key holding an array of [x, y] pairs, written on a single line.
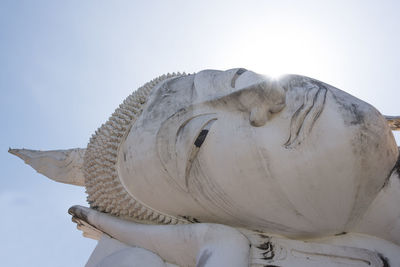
{"points": [[284, 50]]}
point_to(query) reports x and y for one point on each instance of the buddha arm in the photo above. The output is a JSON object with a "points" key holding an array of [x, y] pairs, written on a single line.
{"points": [[185, 245]]}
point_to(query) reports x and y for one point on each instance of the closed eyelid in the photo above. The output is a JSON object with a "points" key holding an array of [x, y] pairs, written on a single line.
{"points": [[179, 139], [237, 74]]}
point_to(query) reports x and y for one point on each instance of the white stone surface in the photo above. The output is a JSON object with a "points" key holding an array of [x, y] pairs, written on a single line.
{"points": [[111, 252], [287, 172]]}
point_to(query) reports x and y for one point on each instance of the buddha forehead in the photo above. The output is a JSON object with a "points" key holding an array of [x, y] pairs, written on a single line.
{"points": [[205, 87], [210, 84]]}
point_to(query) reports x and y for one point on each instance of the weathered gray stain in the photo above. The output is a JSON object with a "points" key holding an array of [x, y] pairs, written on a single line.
{"points": [[396, 167], [307, 114], [395, 170], [351, 111], [342, 233], [78, 213], [384, 260], [269, 250], [203, 258], [189, 219]]}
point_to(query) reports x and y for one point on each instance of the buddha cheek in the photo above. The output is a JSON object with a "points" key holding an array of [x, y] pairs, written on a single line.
{"points": [[229, 174]]}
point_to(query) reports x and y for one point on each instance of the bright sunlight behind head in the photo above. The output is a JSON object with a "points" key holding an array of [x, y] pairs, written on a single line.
{"points": [[281, 49]]}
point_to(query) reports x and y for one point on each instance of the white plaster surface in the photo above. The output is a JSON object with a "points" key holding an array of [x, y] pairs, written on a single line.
{"points": [[233, 168], [110, 252]]}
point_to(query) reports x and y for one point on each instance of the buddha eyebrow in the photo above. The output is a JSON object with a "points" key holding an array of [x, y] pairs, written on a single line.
{"points": [[237, 74]]}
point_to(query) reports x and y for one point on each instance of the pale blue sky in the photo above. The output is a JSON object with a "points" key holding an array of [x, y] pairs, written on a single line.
{"points": [[66, 65]]}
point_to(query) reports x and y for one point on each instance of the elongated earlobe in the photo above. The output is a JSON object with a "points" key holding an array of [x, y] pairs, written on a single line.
{"points": [[64, 166]]}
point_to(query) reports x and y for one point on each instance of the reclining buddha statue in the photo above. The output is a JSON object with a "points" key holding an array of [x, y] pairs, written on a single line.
{"points": [[233, 168]]}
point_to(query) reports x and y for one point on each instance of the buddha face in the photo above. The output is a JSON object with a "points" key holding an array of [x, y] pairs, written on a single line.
{"points": [[293, 156]]}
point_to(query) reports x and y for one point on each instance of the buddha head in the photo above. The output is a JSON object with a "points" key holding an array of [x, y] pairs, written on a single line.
{"points": [[293, 154]]}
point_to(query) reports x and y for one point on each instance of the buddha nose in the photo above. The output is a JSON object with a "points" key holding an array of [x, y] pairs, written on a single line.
{"points": [[263, 100]]}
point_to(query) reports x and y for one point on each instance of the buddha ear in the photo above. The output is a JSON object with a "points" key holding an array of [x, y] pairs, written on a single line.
{"points": [[394, 122], [64, 166]]}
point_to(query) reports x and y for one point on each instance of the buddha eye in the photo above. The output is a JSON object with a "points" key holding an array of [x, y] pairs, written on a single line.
{"points": [[237, 74], [200, 139], [179, 141]]}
